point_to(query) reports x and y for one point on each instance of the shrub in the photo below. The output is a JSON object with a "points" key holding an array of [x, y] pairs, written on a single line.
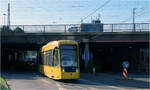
{"points": [[18, 30]]}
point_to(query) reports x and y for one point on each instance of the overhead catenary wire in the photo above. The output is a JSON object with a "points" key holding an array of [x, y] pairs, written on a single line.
{"points": [[96, 10], [142, 13], [136, 15]]}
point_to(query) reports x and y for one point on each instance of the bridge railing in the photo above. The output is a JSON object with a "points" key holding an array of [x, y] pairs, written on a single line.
{"points": [[127, 27], [122, 27]]}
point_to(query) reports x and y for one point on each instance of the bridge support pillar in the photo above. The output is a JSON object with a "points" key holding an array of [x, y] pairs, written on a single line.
{"points": [[9, 57], [16, 56], [86, 52], [21, 56]]}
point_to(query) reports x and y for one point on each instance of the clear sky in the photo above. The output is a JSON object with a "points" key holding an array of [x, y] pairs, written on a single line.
{"points": [[72, 11]]}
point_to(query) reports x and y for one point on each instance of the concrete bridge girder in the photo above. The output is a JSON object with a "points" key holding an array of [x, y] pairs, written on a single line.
{"points": [[121, 37], [92, 37]]}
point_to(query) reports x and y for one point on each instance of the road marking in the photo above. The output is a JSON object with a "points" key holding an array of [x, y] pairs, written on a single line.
{"points": [[45, 81], [93, 88], [82, 87], [114, 87], [60, 86]]}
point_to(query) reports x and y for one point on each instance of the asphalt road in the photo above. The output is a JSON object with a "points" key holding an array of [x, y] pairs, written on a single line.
{"points": [[36, 81]]}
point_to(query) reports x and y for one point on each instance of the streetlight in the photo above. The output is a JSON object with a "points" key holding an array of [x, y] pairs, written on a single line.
{"points": [[4, 18]]}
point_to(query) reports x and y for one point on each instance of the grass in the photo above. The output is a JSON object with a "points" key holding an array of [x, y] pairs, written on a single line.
{"points": [[3, 85]]}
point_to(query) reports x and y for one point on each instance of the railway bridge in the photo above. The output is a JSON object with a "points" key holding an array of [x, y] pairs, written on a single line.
{"points": [[102, 48]]}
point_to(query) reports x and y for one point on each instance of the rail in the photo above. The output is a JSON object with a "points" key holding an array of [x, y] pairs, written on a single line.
{"points": [[121, 27]]}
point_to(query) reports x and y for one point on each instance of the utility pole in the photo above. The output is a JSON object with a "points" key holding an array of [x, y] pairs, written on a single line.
{"points": [[99, 16], [81, 21], [4, 18], [8, 16], [134, 19], [91, 19]]}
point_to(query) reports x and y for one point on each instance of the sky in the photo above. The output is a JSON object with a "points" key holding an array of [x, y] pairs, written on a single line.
{"points": [[46, 12]]}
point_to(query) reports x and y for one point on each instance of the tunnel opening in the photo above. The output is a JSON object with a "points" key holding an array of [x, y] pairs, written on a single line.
{"points": [[108, 57], [14, 59]]}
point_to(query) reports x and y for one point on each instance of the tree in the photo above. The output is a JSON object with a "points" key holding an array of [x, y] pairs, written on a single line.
{"points": [[18, 30], [5, 29]]}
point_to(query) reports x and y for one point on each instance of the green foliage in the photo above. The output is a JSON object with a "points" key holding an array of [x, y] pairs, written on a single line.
{"points": [[3, 85], [5, 29], [18, 30]]}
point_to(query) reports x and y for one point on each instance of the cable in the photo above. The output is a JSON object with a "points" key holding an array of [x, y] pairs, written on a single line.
{"points": [[141, 10], [96, 9], [142, 13], [137, 15]]}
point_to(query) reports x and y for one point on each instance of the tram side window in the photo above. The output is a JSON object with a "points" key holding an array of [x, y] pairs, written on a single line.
{"points": [[44, 58], [47, 58], [51, 59], [56, 59]]}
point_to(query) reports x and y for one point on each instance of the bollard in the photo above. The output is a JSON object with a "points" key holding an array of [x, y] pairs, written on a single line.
{"points": [[125, 73], [125, 66]]}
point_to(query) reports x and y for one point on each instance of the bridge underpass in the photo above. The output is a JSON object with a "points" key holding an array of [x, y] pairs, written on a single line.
{"points": [[108, 49], [109, 56]]}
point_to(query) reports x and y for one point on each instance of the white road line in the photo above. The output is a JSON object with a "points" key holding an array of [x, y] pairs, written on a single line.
{"points": [[45, 81], [60, 86], [114, 87], [93, 88], [82, 87]]}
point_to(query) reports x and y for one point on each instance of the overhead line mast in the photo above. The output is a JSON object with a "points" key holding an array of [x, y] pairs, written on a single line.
{"points": [[8, 17]]}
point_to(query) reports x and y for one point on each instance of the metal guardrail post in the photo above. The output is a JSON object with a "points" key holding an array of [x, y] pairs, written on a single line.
{"points": [[133, 27], [23, 28], [44, 28], [65, 28], [112, 28], [148, 26]]}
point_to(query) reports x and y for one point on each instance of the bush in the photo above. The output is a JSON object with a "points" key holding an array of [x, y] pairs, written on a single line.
{"points": [[18, 30], [3, 85], [5, 29]]}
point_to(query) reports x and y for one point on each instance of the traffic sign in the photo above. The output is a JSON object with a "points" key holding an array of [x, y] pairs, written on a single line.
{"points": [[125, 64]]}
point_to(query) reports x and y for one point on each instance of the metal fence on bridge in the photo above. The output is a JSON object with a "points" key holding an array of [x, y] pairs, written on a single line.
{"points": [[122, 27]]}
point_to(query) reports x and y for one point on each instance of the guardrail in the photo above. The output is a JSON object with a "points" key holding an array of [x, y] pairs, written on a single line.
{"points": [[121, 27]]}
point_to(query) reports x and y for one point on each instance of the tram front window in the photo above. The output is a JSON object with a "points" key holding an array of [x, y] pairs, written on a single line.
{"points": [[69, 56]]}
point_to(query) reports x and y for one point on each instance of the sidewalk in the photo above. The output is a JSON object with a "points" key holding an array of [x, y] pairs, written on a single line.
{"points": [[135, 80]]}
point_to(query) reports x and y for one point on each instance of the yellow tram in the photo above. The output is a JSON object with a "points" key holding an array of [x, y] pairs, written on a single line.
{"points": [[59, 60]]}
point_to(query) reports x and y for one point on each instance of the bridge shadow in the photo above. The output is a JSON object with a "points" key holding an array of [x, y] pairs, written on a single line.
{"points": [[24, 75], [88, 80], [131, 83], [106, 79]]}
